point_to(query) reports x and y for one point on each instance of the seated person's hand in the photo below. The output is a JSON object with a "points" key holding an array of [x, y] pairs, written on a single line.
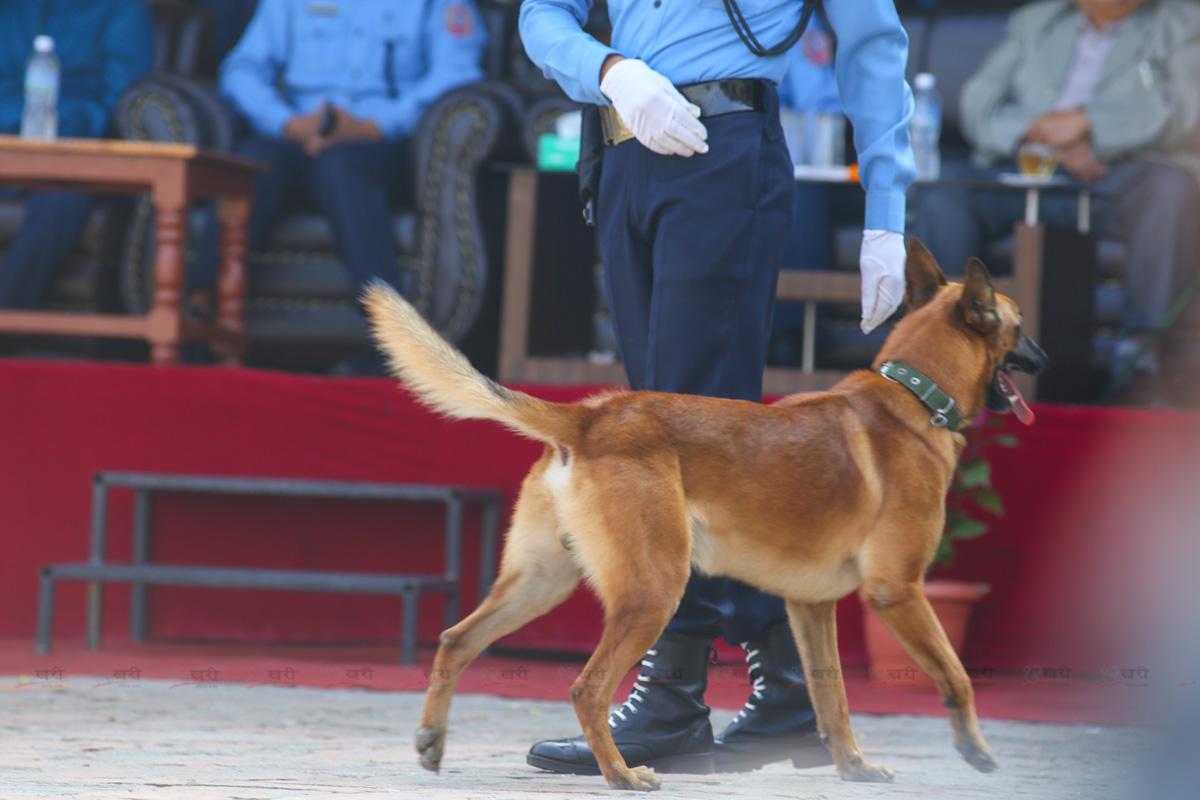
{"points": [[1080, 161], [1060, 128], [346, 128], [303, 128]]}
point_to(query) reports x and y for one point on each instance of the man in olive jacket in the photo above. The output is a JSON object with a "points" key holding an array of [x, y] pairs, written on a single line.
{"points": [[1114, 85]]}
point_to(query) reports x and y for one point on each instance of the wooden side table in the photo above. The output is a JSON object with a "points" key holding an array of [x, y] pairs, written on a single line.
{"points": [[175, 175]]}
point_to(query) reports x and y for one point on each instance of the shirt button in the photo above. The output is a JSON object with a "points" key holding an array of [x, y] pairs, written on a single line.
{"points": [[657, 3]]}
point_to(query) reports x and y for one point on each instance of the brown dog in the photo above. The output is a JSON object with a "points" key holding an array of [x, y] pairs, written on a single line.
{"points": [[810, 498]]}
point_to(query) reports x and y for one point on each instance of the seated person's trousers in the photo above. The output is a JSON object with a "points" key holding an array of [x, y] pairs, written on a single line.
{"points": [[1151, 207], [51, 225], [354, 184]]}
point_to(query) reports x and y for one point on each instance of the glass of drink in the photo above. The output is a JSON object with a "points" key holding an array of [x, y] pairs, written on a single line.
{"points": [[1037, 160]]}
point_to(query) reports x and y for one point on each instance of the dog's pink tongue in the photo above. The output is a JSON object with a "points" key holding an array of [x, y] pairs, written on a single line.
{"points": [[1019, 406]]}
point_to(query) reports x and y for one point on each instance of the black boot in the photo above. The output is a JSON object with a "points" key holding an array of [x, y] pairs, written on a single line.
{"points": [[778, 721], [664, 723]]}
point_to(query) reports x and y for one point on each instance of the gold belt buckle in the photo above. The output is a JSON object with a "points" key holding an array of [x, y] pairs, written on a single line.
{"points": [[615, 130]]}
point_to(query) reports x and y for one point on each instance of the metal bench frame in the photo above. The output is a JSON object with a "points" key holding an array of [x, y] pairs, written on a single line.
{"points": [[141, 574]]}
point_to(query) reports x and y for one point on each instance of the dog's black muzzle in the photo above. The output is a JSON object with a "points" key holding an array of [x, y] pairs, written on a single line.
{"points": [[1028, 357]]}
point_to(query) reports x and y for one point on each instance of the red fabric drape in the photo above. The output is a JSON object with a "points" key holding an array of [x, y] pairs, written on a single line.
{"points": [[1094, 498]]}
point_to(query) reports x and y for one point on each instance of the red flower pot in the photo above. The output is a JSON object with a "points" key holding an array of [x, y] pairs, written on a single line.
{"points": [[952, 602]]}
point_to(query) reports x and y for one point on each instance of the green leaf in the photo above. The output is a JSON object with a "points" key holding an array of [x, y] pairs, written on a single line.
{"points": [[989, 500], [967, 529], [975, 473], [945, 553], [953, 517]]}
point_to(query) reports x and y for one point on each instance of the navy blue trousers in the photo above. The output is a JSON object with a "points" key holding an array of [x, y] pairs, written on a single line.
{"points": [[692, 249], [52, 224], [353, 184]]}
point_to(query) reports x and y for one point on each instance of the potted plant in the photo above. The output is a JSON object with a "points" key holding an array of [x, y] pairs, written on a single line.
{"points": [[969, 503]]}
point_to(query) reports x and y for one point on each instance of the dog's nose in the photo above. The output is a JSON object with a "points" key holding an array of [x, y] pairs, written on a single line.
{"points": [[1029, 356]]}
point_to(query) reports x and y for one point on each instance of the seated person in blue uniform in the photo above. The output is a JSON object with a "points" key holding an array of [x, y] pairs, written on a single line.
{"points": [[102, 46], [810, 85], [332, 91]]}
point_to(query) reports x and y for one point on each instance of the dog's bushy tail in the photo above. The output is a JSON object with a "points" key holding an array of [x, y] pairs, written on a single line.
{"points": [[442, 378]]}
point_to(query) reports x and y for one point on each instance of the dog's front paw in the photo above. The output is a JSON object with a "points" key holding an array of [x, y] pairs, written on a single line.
{"points": [[429, 745], [638, 779], [865, 772], [978, 756]]}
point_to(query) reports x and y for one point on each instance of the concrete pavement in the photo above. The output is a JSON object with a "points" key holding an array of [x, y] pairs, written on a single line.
{"points": [[158, 740]]}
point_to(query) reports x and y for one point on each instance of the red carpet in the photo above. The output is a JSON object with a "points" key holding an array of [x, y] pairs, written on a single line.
{"points": [[1081, 699]]}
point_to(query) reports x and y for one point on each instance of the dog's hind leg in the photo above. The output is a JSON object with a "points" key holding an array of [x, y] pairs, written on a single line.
{"points": [[814, 626], [536, 574], [634, 542], [906, 612]]}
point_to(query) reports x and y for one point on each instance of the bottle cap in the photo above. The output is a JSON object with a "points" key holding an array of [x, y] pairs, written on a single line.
{"points": [[924, 81], [43, 44]]}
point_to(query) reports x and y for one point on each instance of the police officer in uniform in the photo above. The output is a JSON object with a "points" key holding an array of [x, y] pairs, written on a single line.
{"points": [[694, 206], [332, 90]]}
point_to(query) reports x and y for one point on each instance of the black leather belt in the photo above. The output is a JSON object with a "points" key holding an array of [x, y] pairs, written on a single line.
{"points": [[713, 97]]}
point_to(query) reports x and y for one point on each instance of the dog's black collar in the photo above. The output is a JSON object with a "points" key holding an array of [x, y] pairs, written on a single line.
{"points": [[945, 411]]}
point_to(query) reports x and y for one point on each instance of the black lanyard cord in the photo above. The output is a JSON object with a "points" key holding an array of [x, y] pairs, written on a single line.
{"points": [[389, 66], [743, 29]]}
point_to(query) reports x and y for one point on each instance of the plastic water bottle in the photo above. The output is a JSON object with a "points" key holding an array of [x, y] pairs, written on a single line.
{"points": [[40, 118], [925, 128]]}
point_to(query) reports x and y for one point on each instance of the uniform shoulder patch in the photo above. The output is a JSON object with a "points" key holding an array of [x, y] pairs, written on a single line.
{"points": [[818, 47], [460, 19]]}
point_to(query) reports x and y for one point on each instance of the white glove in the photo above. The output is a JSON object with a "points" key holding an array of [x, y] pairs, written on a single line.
{"points": [[653, 109], [882, 264]]}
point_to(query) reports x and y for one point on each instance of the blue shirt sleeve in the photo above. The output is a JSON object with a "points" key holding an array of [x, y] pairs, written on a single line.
{"points": [[455, 39], [250, 72], [552, 31], [126, 52], [872, 51]]}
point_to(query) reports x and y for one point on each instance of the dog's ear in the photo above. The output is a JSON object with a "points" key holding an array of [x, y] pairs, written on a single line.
{"points": [[979, 299], [923, 277]]}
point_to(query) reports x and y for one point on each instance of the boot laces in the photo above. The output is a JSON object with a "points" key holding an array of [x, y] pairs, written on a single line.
{"points": [[636, 695], [759, 683]]}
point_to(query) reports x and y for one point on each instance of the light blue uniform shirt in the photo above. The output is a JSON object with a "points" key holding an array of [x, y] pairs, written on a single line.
{"points": [[690, 41], [382, 60]]}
